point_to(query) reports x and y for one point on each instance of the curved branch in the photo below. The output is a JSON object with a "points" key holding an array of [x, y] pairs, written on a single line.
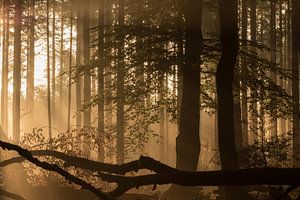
{"points": [[262, 176], [83, 163], [54, 168]]}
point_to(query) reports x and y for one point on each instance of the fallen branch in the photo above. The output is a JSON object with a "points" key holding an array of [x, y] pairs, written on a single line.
{"points": [[164, 174], [83, 163], [245, 177], [54, 168]]}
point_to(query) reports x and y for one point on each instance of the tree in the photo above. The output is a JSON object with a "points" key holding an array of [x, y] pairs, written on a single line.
{"points": [[17, 71], [120, 84], [295, 80], [87, 75], [48, 74], [5, 55], [101, 11], [273, 53], [30, 61], [53, 67], [188, 139], [224, 81]]}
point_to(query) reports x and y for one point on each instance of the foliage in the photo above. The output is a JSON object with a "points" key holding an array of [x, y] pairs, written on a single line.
{"points": [[273, 152]]}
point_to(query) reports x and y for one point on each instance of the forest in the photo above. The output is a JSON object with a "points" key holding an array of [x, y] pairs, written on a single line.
{"points": [[149, 100]]}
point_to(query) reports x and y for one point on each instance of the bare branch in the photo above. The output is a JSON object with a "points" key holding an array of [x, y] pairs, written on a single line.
{"points": [[83, 163], [54, 168]]}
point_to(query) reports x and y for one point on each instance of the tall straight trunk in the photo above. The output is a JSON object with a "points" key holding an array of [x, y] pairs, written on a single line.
{"points": [[241, 108], [48, 76], [70, 68], [281, 58], [295, 81], [108, 71], [120, 85], [87, 75], [53, 89], [188, 139], [30, 63], [254, 93], [61, 50], [244, 108], [101, 58], [17, 72], [78, 63], [273, 55], [224, 82], [289, 56], [5, 52], [162, 119]]}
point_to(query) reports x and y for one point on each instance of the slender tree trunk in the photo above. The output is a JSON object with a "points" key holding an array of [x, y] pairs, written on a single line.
{"points": [[281, 58], [254, 93], [87, 75], [70, 68], [108, 78], [17, 72], [295, 81], [48, 76], [101, 152], [30, 65], [162, 119], [244, 73], [273, 55], [61, 51], [120, 85], [224, 80], [53, 86], [5, 52], [78, 63]]}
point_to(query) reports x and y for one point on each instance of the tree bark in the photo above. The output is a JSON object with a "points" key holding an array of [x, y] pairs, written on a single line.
{"points": [[295, 81], [101, 58], [48, 76], [120, 85], [224, 81], [70, 70], [188, 139], [244, 87], [78, 63], [87, 74], [273, 56], [30, 65], [17, 71], [5, 53], [53, 73]]}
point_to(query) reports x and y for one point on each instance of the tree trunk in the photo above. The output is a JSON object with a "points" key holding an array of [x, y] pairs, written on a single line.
{"points": [[224, 81], [70, 70], [30, 65], [17, 71], [244, 87], [5, 52], [273, 56], [188, 139], [101, 58], [78, 63], [295, 81], [61, 51], [120, 86], [161, 93], [53, 86], [48, 76], [87, 74]]}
